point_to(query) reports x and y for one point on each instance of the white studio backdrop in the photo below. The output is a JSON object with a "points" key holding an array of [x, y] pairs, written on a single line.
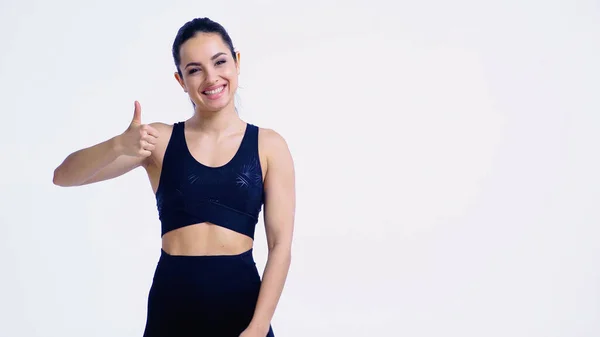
{"points": [[446, 155]]}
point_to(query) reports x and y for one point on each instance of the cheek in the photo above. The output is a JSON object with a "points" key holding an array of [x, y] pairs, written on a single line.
{"points": [[192, 83], [230, 73], [231, 76]]}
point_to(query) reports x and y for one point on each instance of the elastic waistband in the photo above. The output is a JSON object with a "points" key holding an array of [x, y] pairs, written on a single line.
{"points": [[207, 270]]}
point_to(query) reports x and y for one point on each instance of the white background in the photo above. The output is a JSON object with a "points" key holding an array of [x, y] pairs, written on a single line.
{"points": [[446, 156]]}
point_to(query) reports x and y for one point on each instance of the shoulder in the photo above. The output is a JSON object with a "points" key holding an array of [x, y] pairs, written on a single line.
{"points": [[276, 151], [160, 126], [164, 131], [271, 141]]}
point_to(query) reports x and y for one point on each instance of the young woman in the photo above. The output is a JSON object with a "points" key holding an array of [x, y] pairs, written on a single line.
{"points": [[211, 175]]}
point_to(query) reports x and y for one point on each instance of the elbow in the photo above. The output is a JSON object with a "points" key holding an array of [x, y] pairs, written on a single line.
{"points": [[283, 251], [58, 178]]}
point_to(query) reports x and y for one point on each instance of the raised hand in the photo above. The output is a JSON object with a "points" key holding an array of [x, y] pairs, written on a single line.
{"points": [[139, 139]]}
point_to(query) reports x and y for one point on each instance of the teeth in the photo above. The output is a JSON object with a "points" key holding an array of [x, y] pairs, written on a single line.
{"points": [[216, 91]]}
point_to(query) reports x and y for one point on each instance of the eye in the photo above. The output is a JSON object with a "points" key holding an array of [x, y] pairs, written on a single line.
{"points": [[219, 62], [193, 70]]}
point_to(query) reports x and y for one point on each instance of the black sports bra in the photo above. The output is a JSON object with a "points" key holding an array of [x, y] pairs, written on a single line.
{"points": [[190, 192]]}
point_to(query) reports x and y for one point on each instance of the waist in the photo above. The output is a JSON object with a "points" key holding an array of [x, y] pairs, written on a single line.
{"points": [[205, 274], [203, 239]]}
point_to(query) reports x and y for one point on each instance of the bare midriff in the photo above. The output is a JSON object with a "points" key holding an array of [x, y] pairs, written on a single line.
{"points": [[205, 239]]}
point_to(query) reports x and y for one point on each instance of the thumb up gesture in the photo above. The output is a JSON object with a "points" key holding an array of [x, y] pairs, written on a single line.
{"points": [[139, 139]]}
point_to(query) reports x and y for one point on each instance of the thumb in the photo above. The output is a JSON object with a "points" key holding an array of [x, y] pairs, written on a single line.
{"points": [[137, 113]]}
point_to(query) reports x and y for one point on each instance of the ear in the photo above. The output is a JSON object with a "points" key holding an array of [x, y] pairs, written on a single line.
{"points": [[180, 81], [237, 64]]}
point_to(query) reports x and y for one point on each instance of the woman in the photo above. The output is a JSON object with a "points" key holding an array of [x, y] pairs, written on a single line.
{"points": [[211, 175]]}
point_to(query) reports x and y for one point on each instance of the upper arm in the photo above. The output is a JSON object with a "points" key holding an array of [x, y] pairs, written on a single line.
{"points": [[279, 187]]}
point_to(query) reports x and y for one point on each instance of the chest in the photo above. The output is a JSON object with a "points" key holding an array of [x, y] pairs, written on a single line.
{"points": [[211, 152]]}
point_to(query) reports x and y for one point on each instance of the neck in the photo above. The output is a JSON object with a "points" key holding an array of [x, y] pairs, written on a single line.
{"points": [[215, 121]]}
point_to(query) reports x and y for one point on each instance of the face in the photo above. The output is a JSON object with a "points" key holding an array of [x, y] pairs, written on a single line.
{"points": [[209, 72]]}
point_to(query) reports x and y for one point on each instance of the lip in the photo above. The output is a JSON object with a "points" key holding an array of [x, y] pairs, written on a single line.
{"points": [[213, 87], [217, 95]]}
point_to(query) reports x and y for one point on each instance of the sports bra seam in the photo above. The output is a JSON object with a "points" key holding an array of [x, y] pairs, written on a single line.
{"points": [[232, 209], [194, 222]]}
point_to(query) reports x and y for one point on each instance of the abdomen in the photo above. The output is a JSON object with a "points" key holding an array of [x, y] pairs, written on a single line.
{"points": [[205, 239]]}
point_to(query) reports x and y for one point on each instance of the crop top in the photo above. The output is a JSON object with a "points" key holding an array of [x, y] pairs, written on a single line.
{"points": [[190, 192]]}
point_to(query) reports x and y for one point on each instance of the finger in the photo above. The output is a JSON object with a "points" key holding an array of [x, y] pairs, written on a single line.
{"points": [[151, 131], [145, 153], [148, 146], [137, 113], [150, 139]]}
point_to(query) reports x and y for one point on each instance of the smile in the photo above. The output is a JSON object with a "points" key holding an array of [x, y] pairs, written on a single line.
{"points": [[214, 91]]}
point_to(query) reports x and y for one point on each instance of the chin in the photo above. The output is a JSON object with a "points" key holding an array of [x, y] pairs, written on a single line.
{"points": [[214, 106]]}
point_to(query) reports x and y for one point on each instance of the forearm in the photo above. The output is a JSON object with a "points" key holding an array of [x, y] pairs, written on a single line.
{"points": [[81, 165], [274, 277]]}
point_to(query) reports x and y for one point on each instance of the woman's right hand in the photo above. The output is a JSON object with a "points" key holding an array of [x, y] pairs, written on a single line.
{"points": [[139, 140]]}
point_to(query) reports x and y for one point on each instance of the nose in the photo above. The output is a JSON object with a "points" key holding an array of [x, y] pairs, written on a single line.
{"points": [[211, 77]]}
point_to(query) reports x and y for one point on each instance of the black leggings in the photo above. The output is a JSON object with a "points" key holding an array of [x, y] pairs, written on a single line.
{"points": [[210, 295]]}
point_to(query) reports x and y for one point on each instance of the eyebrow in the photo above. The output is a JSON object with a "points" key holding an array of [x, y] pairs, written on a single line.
{"points": [[212, 59]]}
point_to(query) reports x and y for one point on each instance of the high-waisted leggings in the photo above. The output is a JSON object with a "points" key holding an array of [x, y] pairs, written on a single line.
{"points": [[209, 295]]}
